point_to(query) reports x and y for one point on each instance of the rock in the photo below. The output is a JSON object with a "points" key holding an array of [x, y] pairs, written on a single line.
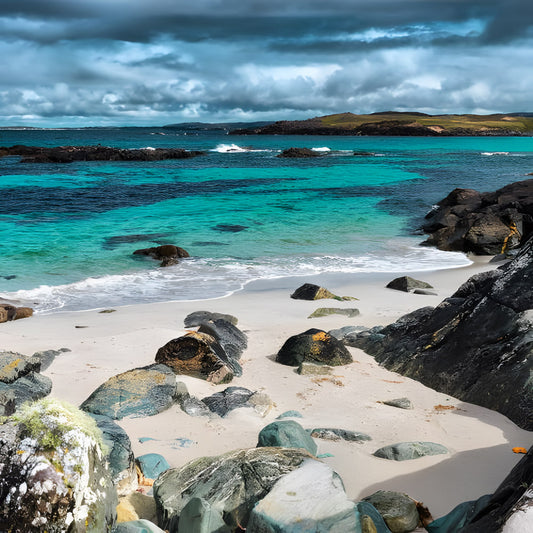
{"points": [[290, 414], [152, 465], [9, 312], [327, 311], [136, 506], [397, 509], [231, 398], [342, 333], [137, 526], [168, 254], [199, 355], [310, 498], [312, 369], [405, 451], [401, 403], [475, 345], [199, 517], [139, 392], [20, 381], [425, 292], [261, 402], [286, 434], [482, 223], [339, 434], [299, 152], [46, 357], [406, 284], [460, 516], [231, 338], [53, 474], [118, 452], [315, 346], [196, 318], [194, 407], [231, 483], [308, 291], [370, 519], [508, 510]]}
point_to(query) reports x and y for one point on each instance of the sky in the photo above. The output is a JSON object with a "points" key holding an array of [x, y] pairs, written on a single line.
{"points": [[154, 62]]}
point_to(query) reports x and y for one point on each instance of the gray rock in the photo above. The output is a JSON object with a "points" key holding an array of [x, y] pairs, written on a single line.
{"points": [[286, 434], [327, 311], [339, 434], [118, 453], [341, 333], [310, 498], [425, 292], [199, 517], [46, 357], [231, 398], [406, 284], [14, 366], [231, 338], [397, 509], [231, 483], [405, 451], [315, 346], [30, 387], [198, 317], [53, 474], [140, 392], [137, 526], [195, 407], [401, 403], [476, 346], [152, 465]]}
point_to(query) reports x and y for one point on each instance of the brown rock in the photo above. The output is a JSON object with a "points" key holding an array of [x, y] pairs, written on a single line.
{"points": [[23, 312]]}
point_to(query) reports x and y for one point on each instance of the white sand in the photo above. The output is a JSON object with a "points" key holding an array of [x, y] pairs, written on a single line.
{"points": [[480, 440]]}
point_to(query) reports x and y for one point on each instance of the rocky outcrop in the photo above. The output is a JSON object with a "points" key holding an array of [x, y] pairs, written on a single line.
{"points": [[476, 345], [231, 483], [482, 223], [139, 392], [314, 346], [168, 254], [299, 152], [69, 154], [20, 381], [53, 474], [199, 355]]}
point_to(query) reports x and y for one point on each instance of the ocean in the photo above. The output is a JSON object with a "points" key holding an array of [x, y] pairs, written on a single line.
{"points": [[68, 231]]}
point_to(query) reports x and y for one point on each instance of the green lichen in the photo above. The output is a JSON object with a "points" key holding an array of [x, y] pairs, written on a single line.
{"points": [[48, 420]]}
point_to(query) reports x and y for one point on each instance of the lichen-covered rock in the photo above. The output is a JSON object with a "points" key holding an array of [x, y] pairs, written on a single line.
{"points": [[314, 346], [476, 345], [139, 392], [118, 452], [405, 451], [198, 355], [397, 509], [231, 483], [14, 365], [310, 498], [53, 473], [287, 434], [309, 291], [327, 311]]}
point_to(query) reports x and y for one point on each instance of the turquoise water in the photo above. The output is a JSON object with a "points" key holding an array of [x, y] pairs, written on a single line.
{"points": [[67, 232]]}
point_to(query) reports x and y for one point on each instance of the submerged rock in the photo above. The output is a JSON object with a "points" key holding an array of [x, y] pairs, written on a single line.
{"points": [[53, 472], [299, 152]]}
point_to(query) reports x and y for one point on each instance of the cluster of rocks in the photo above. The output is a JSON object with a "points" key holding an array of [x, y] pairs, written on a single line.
{"points": [[483, 223], [69, 154]]}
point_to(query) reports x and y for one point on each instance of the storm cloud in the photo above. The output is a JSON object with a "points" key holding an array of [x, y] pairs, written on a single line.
{"points": [[126, 62]]}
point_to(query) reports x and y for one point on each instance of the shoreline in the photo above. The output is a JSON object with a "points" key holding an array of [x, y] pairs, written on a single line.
{"points": [[105, 344]]}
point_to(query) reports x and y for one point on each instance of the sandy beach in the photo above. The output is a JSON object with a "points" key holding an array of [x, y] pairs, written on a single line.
{"points": [[104, 344]]}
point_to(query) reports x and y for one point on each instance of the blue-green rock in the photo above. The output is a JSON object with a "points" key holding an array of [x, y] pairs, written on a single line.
{"points": [[287, 434], [405, 451], [459, 516], [199, 517], [152, 464], [397, 509], [290, 414], [137, 526], [369, 516]]}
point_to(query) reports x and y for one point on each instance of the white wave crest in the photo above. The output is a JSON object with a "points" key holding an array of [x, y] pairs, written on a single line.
{"points": [[494, 153], [321, 149], [234, 148]]}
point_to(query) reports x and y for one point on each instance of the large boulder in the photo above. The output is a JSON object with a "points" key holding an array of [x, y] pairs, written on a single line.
{"points": [[139, 392], [310, 498], [476, 345], [483, 223], [20, 381], [200, 355], [316, 346], [53, 472], [231, 483]]}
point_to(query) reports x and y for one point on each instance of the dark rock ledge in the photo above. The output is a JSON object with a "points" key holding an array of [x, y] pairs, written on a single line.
{"points": [[69, 154]]}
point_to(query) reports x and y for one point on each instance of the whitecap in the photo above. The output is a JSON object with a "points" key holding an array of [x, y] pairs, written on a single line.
{"points": [[321, 149], [494, 153]]}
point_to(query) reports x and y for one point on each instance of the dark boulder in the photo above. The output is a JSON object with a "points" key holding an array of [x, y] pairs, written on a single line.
{"points": [[199, 355], [197, 317], [482, 223], [230, 337], [168, 254], [309, 291], [225, 401], [406, 284], [315, 346], [476, 345], [299, 152]]}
